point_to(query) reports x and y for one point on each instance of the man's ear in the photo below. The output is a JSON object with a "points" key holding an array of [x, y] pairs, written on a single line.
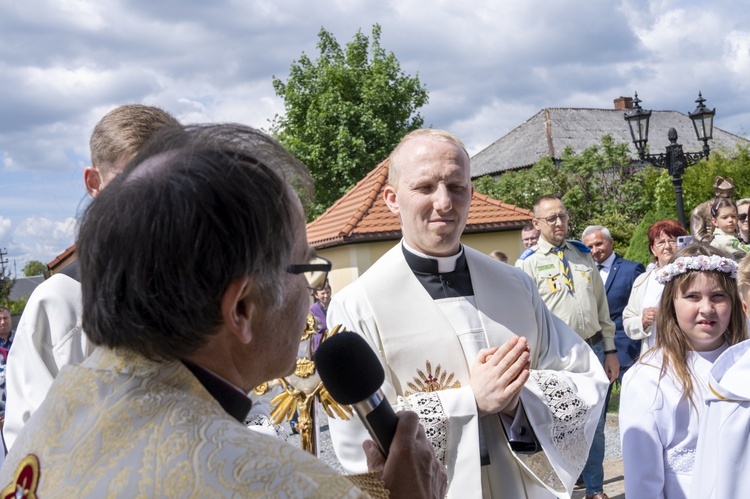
{"points": [[92, 178], [389, 196], [536, 225], [237, 308]]}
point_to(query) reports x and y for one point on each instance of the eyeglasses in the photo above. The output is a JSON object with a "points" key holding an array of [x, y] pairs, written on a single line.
{"points": [[662, 244], [553, 218], [743, 217], [316, 271]]}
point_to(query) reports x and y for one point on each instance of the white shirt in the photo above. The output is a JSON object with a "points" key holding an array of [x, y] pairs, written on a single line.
{"points": [[605, 267], [659, 428]]}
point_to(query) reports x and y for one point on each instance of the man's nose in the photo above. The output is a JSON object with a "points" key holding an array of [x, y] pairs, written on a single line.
{"points": [[442, 200]]}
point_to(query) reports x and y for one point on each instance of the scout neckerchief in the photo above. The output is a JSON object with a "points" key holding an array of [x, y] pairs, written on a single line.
{"points": [[565, 268]]}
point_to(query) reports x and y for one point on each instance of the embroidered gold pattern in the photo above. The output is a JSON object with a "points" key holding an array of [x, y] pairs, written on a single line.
{"points": [[172, 440], [430, 382]]}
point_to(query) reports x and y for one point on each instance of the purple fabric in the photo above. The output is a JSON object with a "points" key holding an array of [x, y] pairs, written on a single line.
{"points": [[320, 313]]}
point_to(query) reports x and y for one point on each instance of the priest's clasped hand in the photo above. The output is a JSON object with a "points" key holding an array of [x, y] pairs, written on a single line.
{"points": [[497, 376]]}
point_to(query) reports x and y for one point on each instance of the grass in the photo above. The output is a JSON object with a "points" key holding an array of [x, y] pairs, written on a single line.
{"points": [[614, 398]]}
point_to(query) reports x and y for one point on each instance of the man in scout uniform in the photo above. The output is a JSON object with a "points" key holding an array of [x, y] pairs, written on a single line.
{"points": [[570, 285]]}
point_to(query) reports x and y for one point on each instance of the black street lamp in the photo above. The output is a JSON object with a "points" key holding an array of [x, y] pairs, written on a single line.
{"points": [[674, 160]]}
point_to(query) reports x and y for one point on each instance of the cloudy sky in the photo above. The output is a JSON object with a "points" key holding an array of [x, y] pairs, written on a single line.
{"points": [[488, 65]]}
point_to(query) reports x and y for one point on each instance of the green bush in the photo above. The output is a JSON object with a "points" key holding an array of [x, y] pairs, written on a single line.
{"points": [[638, 249]]}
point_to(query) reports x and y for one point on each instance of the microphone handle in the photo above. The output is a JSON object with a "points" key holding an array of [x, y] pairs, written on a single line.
{"points": [[378, 416]]}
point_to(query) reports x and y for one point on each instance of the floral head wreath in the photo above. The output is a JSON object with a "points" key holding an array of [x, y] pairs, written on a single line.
{"points": [[703, 263]]}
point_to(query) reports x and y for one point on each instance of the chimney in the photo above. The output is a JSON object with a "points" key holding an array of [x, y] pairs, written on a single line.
{"points": [[623, 103]]}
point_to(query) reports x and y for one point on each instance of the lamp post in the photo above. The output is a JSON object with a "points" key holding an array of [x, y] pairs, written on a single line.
{"points": [[674, 160]]}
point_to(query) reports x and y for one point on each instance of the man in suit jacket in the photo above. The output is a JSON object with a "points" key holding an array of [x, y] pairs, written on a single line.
{"points": [[618, 275]]}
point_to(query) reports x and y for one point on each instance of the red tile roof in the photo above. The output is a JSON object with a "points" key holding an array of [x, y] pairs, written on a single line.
{"points": [[361, 215], [62, 258]]}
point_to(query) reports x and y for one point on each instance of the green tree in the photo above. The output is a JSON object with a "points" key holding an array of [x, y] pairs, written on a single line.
{"points": [[697, 187], [346, 111], [599, 186], [6, 282], [34, 267]]}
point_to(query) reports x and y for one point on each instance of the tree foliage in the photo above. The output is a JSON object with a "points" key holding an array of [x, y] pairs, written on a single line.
{"points": [[34, 267], [601, 186], [346, 111]]}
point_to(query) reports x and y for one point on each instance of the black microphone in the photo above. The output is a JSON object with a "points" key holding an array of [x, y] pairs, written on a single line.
{"points": [[352, 373]]}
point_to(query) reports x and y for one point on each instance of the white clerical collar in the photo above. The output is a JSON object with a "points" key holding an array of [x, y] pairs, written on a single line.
{"points": [[607, 264], [445, 263]]}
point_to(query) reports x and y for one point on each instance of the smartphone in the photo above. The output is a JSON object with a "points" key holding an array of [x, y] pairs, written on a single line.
{"points": [[683, 241]]}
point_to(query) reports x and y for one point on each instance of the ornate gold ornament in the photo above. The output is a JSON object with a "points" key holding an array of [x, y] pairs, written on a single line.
{"points": [[430, 382], [301, 389], [309, 327], [305, 368]]}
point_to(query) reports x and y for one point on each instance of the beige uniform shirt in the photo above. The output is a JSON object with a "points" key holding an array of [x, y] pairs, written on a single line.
{"points": [[586, 310]]}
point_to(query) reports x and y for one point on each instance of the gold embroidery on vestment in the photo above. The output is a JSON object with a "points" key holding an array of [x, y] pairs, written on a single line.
{"points": [[429, 382]]}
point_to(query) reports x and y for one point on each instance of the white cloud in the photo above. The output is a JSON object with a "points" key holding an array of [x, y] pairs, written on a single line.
{"points": [[5, 224], [487, 65], [55, 231]]}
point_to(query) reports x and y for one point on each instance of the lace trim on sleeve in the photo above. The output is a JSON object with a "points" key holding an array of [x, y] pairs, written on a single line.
{"points": [[569, 415], [432, 416]]}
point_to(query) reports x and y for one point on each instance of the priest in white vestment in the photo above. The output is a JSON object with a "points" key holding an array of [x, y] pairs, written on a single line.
{"points": [[193, 296], [508, 394]]}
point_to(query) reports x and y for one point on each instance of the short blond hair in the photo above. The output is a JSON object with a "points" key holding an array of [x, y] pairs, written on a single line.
{"points": [[743, 276], [121, 133], [394, 159]]}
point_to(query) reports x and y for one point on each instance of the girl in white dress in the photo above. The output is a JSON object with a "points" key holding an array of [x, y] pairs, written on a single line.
{"points": [[700, 314]]}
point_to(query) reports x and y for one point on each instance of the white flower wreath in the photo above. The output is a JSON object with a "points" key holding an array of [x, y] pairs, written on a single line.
{"points": [[684, 264]]}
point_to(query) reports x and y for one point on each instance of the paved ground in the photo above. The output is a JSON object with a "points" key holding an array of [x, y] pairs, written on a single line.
{"points": [[614, 485]]}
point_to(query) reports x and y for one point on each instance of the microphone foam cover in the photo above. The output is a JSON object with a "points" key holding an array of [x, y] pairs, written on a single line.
{"points": [[348, 367]]}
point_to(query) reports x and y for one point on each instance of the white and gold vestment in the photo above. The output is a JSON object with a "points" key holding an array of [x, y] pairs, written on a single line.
{"points": [[427, 361], [119, 425]]}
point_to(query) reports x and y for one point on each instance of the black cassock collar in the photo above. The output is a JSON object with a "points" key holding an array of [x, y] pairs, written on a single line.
{"points": [[438, 284]]}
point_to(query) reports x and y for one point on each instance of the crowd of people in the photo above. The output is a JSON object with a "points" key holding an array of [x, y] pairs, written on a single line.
{"points": [[130, 371]]}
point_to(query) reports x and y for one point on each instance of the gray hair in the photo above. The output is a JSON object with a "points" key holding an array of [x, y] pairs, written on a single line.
{"points": [[591, 229]]}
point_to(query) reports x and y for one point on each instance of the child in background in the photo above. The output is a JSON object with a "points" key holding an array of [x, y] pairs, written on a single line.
{"points": [[722, 460], [661, 403], [725, 219]]}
